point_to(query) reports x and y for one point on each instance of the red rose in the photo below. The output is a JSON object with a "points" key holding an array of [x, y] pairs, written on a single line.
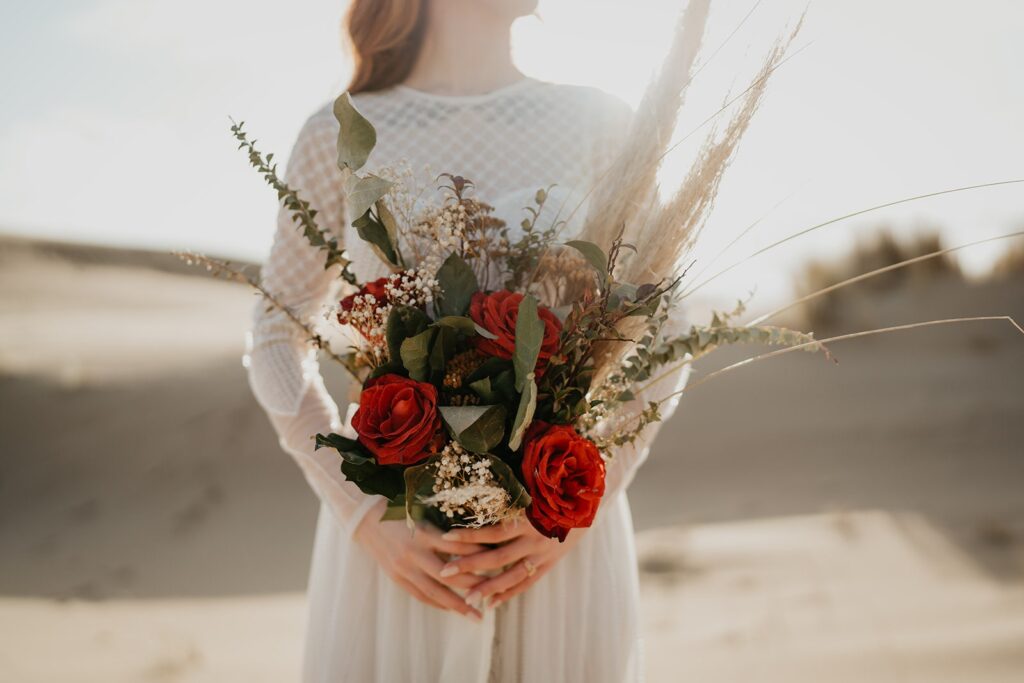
{"points": [[497, 313], [397, 418], [564, 475]]}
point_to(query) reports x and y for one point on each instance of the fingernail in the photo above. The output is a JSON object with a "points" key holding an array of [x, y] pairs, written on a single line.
{"points": [[473, 599], [475, 616], [449, 570], [450, 536], [492, 602]]}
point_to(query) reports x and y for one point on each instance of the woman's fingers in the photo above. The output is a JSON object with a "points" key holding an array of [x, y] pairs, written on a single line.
{"points": [[493, 533], [434, 538], [520, 587], [415, 592], [443, 595], [434, 566], [488, 559], [505, 581]]}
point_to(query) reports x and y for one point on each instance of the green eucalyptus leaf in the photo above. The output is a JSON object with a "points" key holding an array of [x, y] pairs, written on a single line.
{"points": [[349, 449], [482, 388], [362, 192], [419, 481], [442, 348], [529, 336], [403, 322], [524, 414], [356, 135], [387, 219], [509, 481], [415, 354], [373, 232], [594, 254], [476, 428], [458, 284], [373, 479], [459, 323]]}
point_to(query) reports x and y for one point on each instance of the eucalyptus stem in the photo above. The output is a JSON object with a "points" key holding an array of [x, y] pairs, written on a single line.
{"points": [[299, 208]]}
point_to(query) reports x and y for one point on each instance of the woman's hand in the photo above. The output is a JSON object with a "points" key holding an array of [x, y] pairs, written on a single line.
{"points": [[526, 553], [410, 559]]}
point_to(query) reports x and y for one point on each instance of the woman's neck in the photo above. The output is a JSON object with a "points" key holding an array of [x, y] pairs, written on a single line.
{"points": [[465, 52]]}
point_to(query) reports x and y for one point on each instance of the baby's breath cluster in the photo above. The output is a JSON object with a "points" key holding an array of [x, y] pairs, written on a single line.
{"points": [[367, 310], [414, 288], [465, 488]]}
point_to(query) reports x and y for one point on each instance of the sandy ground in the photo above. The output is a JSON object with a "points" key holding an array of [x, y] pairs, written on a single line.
{"points": [[799, 521]]}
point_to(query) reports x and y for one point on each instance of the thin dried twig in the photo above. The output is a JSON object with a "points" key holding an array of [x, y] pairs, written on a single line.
{"points": [[842, 337], [227, 271], [833, 221]]}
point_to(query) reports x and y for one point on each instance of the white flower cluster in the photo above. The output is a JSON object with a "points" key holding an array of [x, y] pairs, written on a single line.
{"points": [[407, 193], [411, 288], [369, 315], [439, 232], [464, 486]]}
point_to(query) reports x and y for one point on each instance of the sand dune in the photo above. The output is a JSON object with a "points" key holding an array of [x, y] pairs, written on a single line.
{"points": [[800, 521]]}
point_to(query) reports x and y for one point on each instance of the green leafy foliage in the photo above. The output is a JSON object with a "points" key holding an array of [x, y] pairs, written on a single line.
{"points": [[419, 480], [426, 354], [300, 210], [524, 414], [529, 336], [594, 255], [362, 192], [509, 481], [356, 135], [476, 428], [459, 323], [416, 354], [359, 467], [376, 233], [458, 284], [525, 253], [403, 322]]}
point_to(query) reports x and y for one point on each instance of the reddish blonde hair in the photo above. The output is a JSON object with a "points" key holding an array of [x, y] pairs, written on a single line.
{"points": [[386, 37]]}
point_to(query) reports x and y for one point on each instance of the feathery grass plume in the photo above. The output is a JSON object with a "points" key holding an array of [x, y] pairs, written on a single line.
{"points": [[676, 225], [622, 192]]}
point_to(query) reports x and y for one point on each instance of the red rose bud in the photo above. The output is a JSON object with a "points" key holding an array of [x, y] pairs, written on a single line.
{"points": [[397, 419], [497, 313], [564, 475]]}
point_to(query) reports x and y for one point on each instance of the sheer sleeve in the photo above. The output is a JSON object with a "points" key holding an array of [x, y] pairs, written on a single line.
{"points": [[283, 370]]}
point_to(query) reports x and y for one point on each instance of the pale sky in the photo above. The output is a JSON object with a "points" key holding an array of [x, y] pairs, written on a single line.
{"points": [[114, 127]]}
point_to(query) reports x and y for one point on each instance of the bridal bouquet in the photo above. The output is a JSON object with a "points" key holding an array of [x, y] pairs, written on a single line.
{"points": [[477, 354], [502, 369]]}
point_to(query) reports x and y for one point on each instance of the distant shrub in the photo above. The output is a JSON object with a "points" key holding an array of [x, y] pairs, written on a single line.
{"points": [[882, 248], [1011, 263]]}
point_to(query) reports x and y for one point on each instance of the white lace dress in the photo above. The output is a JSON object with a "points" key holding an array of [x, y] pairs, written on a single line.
{"points": [[579, 623]]}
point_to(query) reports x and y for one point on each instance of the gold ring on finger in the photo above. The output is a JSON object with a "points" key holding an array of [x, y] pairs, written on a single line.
{"points": [[530, 567]]}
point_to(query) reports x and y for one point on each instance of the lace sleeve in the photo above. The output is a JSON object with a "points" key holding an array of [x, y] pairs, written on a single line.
{"points": [[283, 369]]}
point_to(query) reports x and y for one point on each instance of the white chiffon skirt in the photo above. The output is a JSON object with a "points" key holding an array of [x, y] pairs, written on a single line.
{"points": [[578, 624]]}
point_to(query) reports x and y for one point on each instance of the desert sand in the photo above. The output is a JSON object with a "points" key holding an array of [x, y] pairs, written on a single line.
{"points": [[798, 520]]}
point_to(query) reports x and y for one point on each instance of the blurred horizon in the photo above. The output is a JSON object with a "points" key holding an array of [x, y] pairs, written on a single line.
{"points": [[116, 129]]}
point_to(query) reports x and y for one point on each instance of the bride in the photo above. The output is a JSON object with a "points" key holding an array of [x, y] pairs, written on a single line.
{"points": [[436, 79]]}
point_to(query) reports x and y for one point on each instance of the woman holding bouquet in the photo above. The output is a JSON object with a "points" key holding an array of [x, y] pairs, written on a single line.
{"points": [[503, 602]]}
